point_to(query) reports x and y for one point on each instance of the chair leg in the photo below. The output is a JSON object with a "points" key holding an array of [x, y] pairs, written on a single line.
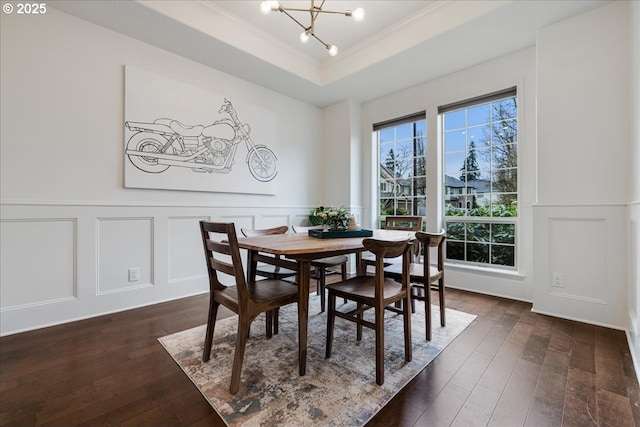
{"points": [[238, 356], [413, 301], [211, 325], [427, 310], [360, 315], [276, 314], [379, 345], [331, 319], [269, 316], [407, 328], [343, 272], [322, 282], [441, 294]]}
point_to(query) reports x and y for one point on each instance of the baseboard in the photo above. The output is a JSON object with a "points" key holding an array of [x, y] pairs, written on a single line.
{"points": [[635, 357]]}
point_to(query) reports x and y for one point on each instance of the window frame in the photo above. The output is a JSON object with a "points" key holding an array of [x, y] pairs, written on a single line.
{"points": [[447, 191], [377, 128]]}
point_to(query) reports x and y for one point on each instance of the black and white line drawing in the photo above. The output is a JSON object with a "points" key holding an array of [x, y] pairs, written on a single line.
{"points": [[166, 142]]}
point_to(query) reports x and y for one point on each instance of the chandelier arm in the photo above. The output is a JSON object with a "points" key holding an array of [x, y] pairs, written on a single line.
{"points": [[283, 10], [316, 11], [327, 45]]}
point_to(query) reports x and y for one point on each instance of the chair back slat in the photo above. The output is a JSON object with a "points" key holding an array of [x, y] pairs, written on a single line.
{"points": [[386, 248], [403, 223], [432, 240], [217, 253]]}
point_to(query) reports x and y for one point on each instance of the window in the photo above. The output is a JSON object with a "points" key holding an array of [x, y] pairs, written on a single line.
{"points": [[401, 168], [481, 179]]}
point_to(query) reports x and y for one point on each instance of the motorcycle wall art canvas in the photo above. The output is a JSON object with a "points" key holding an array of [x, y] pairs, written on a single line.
{"points": [[179, 150]]}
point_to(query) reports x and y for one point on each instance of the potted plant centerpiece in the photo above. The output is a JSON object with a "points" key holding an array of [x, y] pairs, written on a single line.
{"points": [[334, 219]]}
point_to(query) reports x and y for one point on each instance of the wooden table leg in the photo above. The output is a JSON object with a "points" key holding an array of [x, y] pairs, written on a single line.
{"points": [[304, 276], [359, 265]]}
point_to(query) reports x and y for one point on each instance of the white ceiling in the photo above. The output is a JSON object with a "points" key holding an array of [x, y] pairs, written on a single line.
{"points": [[398, 45]]}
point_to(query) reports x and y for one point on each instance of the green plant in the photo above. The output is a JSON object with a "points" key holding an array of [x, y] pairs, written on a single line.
{"points": [[334, 218]]}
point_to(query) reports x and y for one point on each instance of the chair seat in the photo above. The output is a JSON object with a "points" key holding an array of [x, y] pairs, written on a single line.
{"points": [[416, 271], [363, 286], [273, 271], [331, 261]]}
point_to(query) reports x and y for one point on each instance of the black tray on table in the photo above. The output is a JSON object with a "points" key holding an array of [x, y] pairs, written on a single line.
{"points": [[322, 234]]}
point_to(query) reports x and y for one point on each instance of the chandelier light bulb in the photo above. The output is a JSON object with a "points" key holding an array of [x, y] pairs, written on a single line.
{"points": [[358, 14], [304, 37], [268, 5], [333, 50]]}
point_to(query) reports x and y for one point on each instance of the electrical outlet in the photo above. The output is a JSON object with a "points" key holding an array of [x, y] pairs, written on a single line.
{"points": [[134, 274], [558, 281]]}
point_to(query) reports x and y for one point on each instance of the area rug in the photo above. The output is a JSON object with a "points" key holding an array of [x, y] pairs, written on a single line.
{"points": [[340, 391]]}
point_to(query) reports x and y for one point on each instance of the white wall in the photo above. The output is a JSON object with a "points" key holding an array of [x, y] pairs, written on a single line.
{"points": [[517, 69], [634, 207], [583, 171], [70, 230]]}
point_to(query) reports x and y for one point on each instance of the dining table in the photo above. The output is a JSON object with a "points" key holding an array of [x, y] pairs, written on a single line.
{"points": [[297, 250]]}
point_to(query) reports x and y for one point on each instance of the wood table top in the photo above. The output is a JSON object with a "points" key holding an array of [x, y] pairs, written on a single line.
{"points": [[302, 245]]}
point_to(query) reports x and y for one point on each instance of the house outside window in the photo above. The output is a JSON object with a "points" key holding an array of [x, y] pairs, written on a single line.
{"points": [[402, 178], [481, 179]]}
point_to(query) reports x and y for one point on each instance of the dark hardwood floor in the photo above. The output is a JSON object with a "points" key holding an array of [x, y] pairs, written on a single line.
{"points": [[511, 367]]}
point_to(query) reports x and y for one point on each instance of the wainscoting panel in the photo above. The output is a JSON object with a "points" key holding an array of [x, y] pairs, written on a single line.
{"points": [[91, 246], [577, 259], [124, 244], [38, 262], [185, 258], [581, 263]]}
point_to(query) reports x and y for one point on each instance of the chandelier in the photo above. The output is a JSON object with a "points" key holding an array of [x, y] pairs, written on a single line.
{"points": [[309, 30]]}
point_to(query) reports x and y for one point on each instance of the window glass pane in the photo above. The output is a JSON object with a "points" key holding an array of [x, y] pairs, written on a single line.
{"points": [[456, 231], [386, 134], [455, 250], [478, 232], [504, 132], [452, 164], [504, 109], [454, 120], [503, 233], [404, 149], [387, 206], [505, 180], [479, 136], [419, 146], [504, 156], [404, 131], [420, 186], [455, 140], [503, 255], [504, 205], [421, 208], [480, 158], [478, 114], [419, 165], [421, 127], [478, 252]]}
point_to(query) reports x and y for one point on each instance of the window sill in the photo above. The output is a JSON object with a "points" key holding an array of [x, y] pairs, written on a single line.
{"points": [[485, 271]]}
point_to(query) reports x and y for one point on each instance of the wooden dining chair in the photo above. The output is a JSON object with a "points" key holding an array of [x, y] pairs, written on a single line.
{"points": [[402, 223], [323, 266], [425, 277], [270, 271], [246, 299], [374, 292]]}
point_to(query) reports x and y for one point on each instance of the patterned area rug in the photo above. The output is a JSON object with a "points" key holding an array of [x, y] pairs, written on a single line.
{"points": [[340, 391]]}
